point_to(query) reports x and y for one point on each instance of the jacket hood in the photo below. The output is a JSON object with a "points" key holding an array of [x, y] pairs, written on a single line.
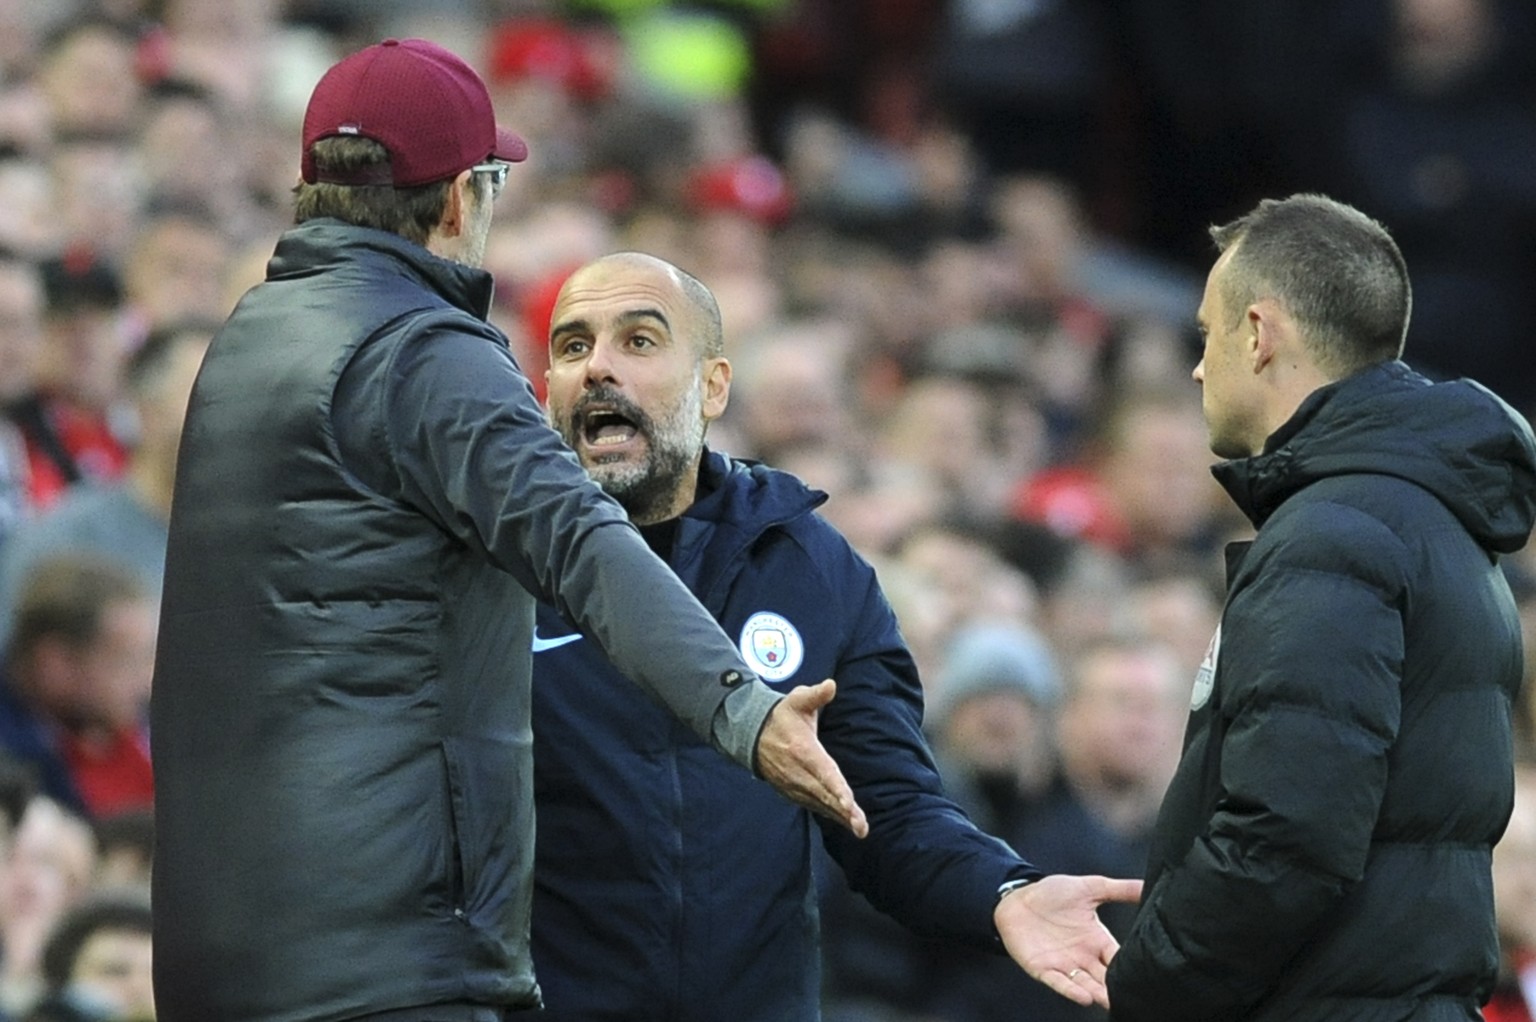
{"points": [[1455, 439]]}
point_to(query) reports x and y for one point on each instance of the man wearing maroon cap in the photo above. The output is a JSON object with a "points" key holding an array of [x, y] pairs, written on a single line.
{"points": [[368, 499]]}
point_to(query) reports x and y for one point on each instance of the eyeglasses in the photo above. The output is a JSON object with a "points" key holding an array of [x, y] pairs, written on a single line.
{"points": [[497, 170]]}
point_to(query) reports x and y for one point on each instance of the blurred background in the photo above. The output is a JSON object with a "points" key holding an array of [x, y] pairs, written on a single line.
{"points": [[958, 246]]}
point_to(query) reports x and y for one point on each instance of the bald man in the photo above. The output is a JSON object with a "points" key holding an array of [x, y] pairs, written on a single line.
{"points": [[667, 888]]}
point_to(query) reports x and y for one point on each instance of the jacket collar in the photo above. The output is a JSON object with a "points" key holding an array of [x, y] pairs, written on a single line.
{"points": [[326, 243], [1454, 439], [738, 502]]}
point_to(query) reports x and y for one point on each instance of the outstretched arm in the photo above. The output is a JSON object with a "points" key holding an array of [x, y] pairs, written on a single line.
{"points": [[1051, 928]]}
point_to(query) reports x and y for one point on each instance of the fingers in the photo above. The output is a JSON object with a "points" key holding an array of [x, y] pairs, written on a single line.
{"points": [[833, 797], [1120, 890], [1083, 986], [791, 758]]}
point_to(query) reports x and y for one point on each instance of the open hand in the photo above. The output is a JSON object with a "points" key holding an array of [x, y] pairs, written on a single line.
{"points": [[1052, 929], [790, 757]]}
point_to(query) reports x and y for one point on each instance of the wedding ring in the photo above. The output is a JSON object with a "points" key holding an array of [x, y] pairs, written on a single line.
{"points": [[1073, 973]]}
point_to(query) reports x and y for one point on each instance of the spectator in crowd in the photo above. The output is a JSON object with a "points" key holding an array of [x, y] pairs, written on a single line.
{"points": [[965, 580], [182, 152], [364, 471], [1180, 606], [77, 680], [97, 195], [90, 78], [174, 271], [992, 716], [71, 419], [97, 963], [1088, 801], [1070, 764], [47, 872], [125, 842], [1367, 631], [1435, 134], [123, 520], [1111, 497], [684, 851], [1116, 739], [977, 434], [795, 372], [1119, 730], [27, 220], [21, 341]]}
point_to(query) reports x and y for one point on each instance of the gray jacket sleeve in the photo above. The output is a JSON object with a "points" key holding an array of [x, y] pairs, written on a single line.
{"points": [[459, 435]]}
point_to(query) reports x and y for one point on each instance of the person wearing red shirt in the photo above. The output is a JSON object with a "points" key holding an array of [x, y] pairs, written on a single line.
{"points": [[77, 679]]}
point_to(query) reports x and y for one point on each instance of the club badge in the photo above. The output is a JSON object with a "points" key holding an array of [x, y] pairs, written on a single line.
{"points": [[771, 646]]}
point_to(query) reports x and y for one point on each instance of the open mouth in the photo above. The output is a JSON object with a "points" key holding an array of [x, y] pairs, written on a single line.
{"points": [[604, 427]]}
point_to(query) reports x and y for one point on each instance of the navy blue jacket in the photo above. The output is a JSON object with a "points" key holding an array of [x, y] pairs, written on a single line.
{"points": [[670, 887], [1323, 851]]}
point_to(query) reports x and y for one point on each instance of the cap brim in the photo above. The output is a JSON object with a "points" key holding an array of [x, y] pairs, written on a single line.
{"points": [[510, 146]]}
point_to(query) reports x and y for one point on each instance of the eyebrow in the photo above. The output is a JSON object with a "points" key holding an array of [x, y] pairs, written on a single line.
{"points": [[640, 314], [626, 319]]}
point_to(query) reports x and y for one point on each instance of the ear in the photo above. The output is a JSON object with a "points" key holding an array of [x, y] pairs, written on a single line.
{"points": [[717, 387], [452, 224], [1265, 323]]}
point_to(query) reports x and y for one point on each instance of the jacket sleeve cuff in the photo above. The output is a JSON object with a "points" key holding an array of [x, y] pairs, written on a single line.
{"points": [[739, 721]]}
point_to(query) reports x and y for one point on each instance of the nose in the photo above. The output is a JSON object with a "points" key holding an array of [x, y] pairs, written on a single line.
{"points": [[599, 368], [1199, 371]]}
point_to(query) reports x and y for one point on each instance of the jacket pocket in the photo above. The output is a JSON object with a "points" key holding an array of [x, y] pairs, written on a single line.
{"points": [[490, 801]]}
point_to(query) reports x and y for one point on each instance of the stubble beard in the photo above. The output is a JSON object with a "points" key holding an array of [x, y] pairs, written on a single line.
{"points": [[647, 487], [477, 232]]}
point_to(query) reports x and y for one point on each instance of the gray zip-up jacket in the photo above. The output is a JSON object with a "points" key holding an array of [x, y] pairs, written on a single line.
{"points": [[368, 500]]}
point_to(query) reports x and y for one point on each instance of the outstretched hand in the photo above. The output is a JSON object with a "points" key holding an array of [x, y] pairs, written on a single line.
{"points": [[1052, 929], [790, 757]]}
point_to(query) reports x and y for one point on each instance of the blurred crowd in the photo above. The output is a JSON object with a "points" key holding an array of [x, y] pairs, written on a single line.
{"points": [[958, 246]]}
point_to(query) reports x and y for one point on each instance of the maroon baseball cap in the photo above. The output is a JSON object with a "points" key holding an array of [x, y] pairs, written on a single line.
{"points": [[416, 99]]}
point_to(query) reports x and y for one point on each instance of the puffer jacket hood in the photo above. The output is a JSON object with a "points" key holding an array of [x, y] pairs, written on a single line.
{"points": [[1459, 441]]}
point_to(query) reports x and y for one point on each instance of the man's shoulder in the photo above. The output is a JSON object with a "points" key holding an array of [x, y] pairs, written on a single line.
{"points": [[1356, 509], [1344, 527]]}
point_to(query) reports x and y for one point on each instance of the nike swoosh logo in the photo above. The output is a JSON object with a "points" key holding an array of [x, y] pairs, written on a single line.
{"points": [[540, 644]]}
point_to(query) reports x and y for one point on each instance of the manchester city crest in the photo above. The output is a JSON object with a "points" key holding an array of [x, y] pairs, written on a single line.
{"points": [[771, 646]]}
